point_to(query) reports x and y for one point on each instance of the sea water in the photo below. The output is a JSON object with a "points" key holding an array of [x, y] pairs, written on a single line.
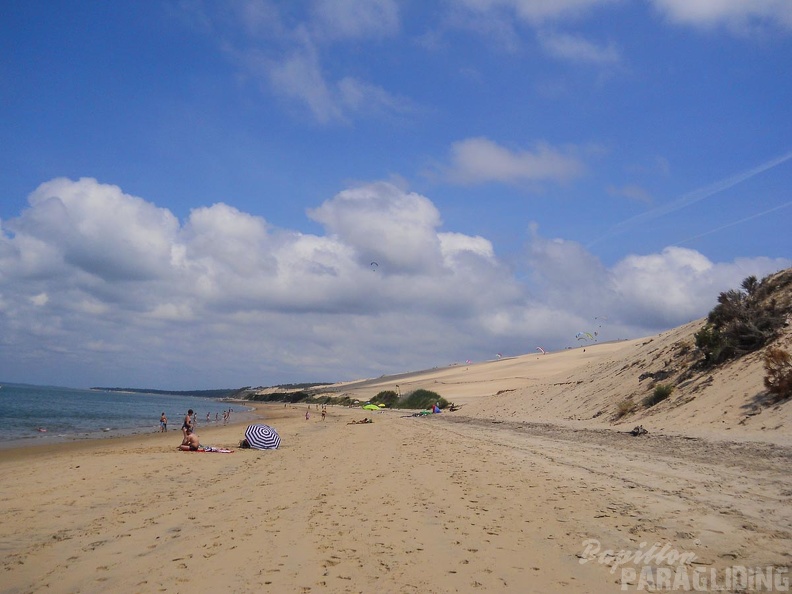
{"points": [[40, 414]]}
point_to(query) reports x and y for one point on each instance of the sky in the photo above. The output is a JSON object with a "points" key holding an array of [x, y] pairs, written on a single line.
{"points": [[209, 194]]}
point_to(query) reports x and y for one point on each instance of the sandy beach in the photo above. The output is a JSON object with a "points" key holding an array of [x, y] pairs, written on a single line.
{"points": [[524, 489], [438, 504]]}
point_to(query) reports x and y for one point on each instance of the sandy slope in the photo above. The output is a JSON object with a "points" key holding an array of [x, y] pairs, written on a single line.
{"points": [[585, 385]]}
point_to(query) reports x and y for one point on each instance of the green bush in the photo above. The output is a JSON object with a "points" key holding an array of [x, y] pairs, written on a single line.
{"points": [[422, 399], [387, 397], [713, 344], [743, 321], [291, 397], [661, 392]]}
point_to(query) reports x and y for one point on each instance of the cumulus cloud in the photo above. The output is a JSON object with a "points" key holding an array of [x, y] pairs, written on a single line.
{"points": [[96, 283], [81, 219], [639, 292], [381, 222], [480, 160]]}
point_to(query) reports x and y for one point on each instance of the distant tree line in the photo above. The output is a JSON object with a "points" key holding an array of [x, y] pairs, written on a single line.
{"points": [[222, 393]]}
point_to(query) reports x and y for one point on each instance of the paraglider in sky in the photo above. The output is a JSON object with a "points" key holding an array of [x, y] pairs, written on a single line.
{"points": [[499, 355], [541, 350], [584, 336], [374, 266]]}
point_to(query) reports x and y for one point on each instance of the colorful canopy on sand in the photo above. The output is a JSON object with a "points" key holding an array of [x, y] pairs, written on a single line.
{"points": [[371, 407], [262, 437]]}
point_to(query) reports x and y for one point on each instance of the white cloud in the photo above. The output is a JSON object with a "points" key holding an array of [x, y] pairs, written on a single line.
{"points": [[638, 293], [631, 191], [382, 223], [677, 283], [40, 300], [455, 244], [738, 14], [84, 219], [535, 11], [286, 51], [578, 49], [361, 98], [480, 160], [355, 19], [299, 76], [257, 17], [99, 286]]}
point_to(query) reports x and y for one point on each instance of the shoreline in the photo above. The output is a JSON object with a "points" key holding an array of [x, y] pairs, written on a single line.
{"points": [[47, 446], [58, 439]]}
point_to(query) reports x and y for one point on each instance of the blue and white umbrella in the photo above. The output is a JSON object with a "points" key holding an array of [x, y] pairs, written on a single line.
{"points": [[262, 437]]}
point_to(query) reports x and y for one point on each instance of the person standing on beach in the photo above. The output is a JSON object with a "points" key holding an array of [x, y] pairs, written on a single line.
{"points": [[187, 424], [163, 423], [308, 413]]}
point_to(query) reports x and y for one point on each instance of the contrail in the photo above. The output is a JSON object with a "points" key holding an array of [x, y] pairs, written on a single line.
{"points": [[722, 227], [694, 196]]}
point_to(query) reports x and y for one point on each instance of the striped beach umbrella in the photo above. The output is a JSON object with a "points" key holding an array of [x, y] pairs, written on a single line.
{"points": [[262, 437]]}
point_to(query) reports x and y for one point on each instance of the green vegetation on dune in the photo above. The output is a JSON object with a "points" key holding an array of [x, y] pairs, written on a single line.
{"points": [[745, 320], [419, 399], [754, 318]]}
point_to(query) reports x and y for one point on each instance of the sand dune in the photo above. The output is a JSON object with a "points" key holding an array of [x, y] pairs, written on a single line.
{"points": [[584, 386]]}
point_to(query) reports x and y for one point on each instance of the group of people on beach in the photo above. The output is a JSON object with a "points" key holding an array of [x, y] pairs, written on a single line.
{"points": [[190, 441], [192, 418], [308, 412]]}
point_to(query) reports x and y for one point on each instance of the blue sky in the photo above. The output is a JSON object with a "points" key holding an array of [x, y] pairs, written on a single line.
{"points": [[193, 192]]}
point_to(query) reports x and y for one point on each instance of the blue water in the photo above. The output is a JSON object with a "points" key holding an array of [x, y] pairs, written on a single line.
{"points": [[68, 413]]}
